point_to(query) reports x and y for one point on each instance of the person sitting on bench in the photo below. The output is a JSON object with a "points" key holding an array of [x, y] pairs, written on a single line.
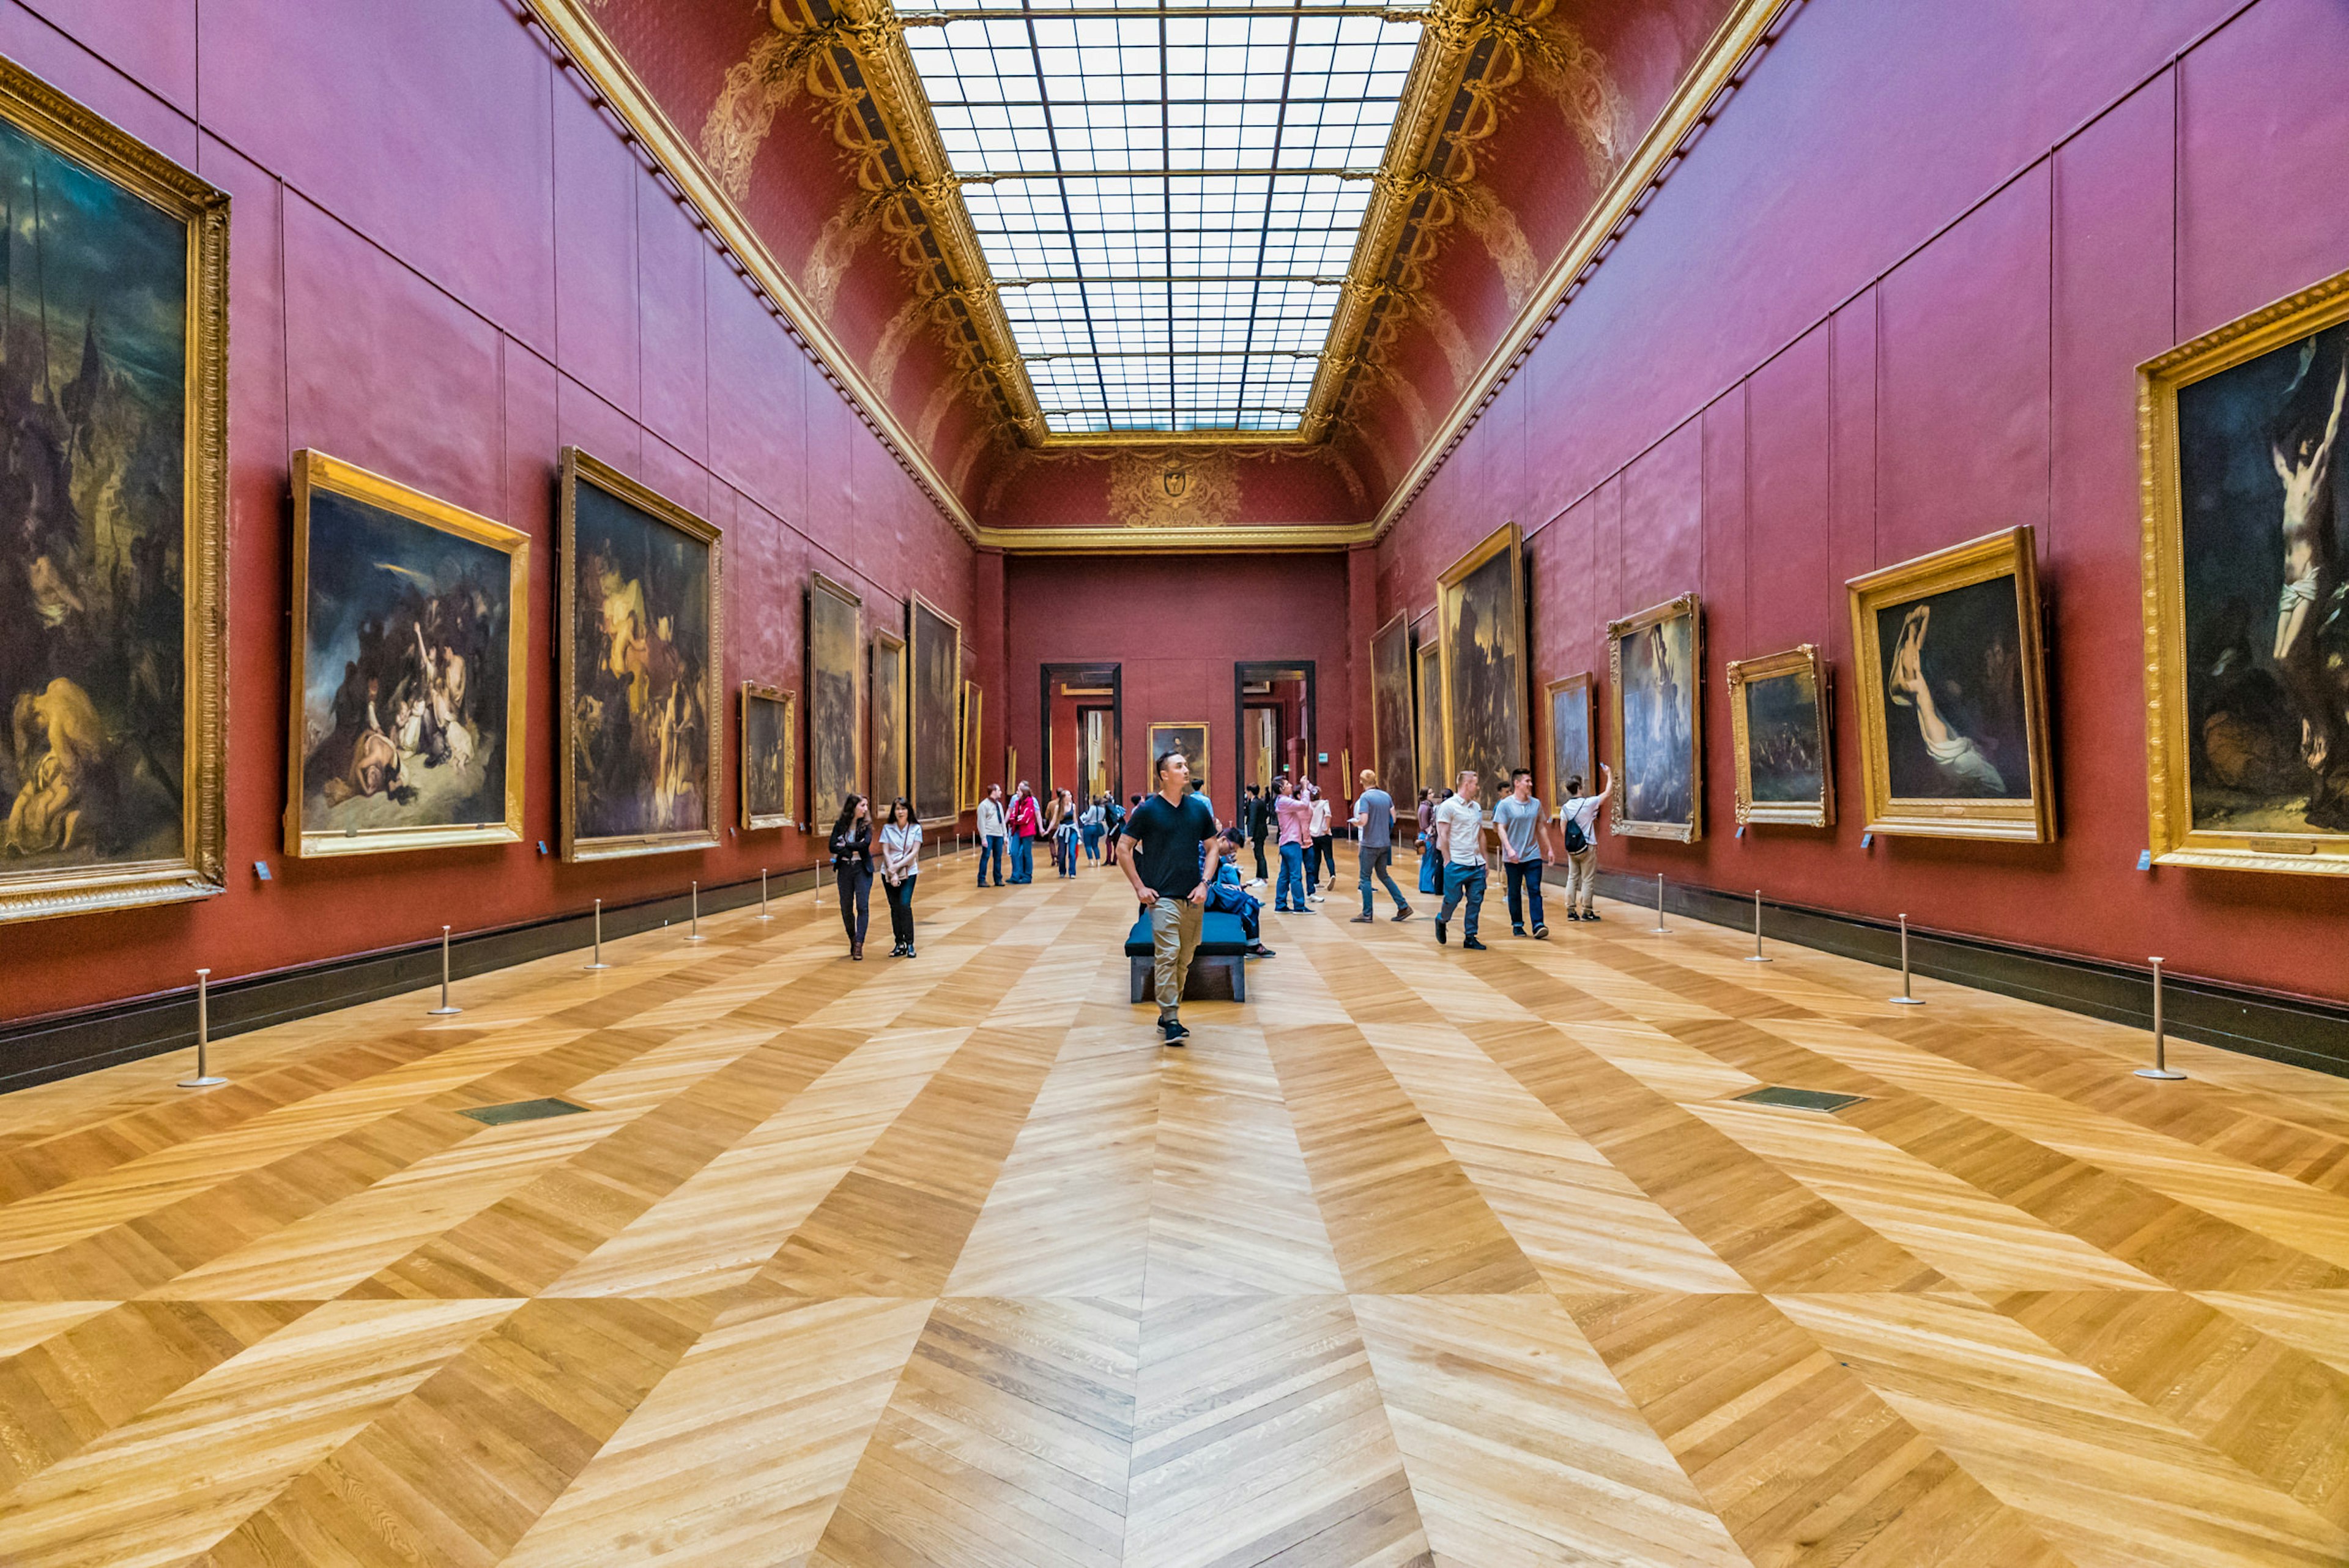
{"points": [[1229, 895]]}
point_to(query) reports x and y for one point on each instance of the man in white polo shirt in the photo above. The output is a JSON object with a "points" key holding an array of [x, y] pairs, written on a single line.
{"points": [[1460, 843]]}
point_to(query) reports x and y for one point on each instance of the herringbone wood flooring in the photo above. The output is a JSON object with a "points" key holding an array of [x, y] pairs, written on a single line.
{"points": [[1421, 1256]]}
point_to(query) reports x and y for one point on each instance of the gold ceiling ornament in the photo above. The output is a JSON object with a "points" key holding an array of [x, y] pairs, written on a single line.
{"points": [[1173, 487], [756, 88]]}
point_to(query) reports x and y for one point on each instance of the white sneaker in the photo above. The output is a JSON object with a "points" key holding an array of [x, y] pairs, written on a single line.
{"points": [[1312, 898]]}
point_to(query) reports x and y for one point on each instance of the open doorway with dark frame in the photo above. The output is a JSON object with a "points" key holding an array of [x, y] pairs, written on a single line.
{"points": [[1273, 701], [1084, 726]]}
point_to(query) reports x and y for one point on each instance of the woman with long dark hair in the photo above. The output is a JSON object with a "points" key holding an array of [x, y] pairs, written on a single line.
{"points": [[901, 862], [852, 867]]}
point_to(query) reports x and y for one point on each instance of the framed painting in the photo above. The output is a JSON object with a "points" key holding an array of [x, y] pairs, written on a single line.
{"points": [[1391, 728], [409, 670], [1191, 740], [1429, 675], [936, 678], [1567, 703], [1952, 693], [886, 708], [643, 735], [2246, 570], [835, 696], [770, 758], [1778, 720], [969, 761], [113, 576], [1481, 623], [1657, 740]]}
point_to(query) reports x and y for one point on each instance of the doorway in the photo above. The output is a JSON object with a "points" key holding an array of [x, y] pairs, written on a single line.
{"points": [[1274, 706], [1083, 712]]}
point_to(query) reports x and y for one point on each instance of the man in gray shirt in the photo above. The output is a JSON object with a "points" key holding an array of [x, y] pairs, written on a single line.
{"points": [[1375, 820], [1525, 847]]}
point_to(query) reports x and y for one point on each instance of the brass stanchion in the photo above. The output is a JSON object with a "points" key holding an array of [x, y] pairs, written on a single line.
{"points": [[597, 962], [445, 1007], [1758, 957], [763, 895], [1661, 929], [693, 933], [2161, 1067], [204, 1078], [1904, 999]]}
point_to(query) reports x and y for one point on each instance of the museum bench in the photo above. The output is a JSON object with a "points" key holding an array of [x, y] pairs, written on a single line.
{"points": [[1222, 950]]}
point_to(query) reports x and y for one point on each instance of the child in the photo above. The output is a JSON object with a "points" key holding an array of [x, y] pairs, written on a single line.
{"points": [[1227, 894]]}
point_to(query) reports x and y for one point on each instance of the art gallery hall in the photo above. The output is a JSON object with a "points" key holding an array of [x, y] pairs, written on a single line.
{"points": [[1133, 784]]}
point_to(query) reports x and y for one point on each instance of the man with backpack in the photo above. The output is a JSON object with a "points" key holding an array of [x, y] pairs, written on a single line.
{"points": [[1578, 824]]}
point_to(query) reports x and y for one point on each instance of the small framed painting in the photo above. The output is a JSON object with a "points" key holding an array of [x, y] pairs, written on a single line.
{"points": [[770, 757], [1572, 754], [1778, 709]]}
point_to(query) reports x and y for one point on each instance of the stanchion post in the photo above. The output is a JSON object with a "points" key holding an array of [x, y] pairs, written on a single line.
{"points": [[693, 932], [2161, 1067], [1758, 956], [597, 962], [204, 1078], [1904, 999], [1661, 929], [447, 1008], [763, 895]]}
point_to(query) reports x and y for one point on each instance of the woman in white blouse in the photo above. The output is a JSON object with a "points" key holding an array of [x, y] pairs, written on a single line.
{"points": [[901, 861]]}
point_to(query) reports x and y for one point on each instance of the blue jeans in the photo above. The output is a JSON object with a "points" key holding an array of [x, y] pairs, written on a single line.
{"points": [[1459, 880], [1023, 858], [1527, 875], [1375, 861], [1292, 877], [1067, 852], [1430, 867], [988, 847], [1092, 842]]}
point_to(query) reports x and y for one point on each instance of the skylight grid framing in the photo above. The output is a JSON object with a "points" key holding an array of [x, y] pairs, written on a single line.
{"points": [[1147, 95]]}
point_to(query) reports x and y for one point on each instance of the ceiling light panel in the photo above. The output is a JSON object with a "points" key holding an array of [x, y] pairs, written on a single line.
{"points": [[1176, 185]]}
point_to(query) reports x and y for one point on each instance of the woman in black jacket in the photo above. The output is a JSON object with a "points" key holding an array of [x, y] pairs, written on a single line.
{"points": [[852, 869]]}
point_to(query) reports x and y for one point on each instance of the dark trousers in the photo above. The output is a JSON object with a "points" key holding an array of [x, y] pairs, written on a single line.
{"points": [[856, 900], [1260, 872], [993, 846], [1323, 846], [901, 910], [1527, 875]]}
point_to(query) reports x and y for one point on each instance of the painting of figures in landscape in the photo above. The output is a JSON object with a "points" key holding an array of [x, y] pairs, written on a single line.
{"points": [[407, 716], [1391, 728], [1777, 713], [1570, 753], [109, 516], [768, 764], [937, 681], [888, 714], [640, 640], [835, 728], [1481, 612], [1654, 656]]}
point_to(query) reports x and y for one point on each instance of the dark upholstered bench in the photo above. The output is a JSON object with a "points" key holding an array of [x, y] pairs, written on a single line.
{"points": [[1222, 948]]}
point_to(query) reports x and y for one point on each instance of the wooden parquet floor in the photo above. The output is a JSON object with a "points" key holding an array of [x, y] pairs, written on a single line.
{"points": [[1421, 1256]]}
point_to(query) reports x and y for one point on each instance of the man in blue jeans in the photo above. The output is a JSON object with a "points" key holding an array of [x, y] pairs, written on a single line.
{"points": [[1460, 844], [1374, 823], [1295, 817], [1525, 849], [990, 833]]}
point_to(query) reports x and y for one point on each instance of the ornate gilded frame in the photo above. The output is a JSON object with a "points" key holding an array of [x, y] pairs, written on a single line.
{"points": [[1688, 832], [915, 610], [2009, 553], [582, 468], [77, 132], [1394, 637], [1202, 765], [314, 471], [1427, 681], [2169, 774], [1587, 683], [1817, 813], [852, 602], [966, 758], [1450, 584], [755, 822], [888, 647]]}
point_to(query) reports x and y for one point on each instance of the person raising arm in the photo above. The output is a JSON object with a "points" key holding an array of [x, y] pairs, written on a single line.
{"points": [[1170, 878]]}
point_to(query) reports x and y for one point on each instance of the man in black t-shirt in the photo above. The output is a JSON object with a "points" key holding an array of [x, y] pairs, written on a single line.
{"points": [[1163, 835]]}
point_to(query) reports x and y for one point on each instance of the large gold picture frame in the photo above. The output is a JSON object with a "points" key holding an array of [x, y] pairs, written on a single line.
{"points": [[1480, 610], [836, 695], [308, 834], [2007, 743], [582, 472], [770, 758], [58, 880], [1781, 710], [1192, 740], [934, 678], [1570, 716], [2230, 732], [1393, 752], [1427, 675], [1655, 743], [886, 704], [968, 762]]}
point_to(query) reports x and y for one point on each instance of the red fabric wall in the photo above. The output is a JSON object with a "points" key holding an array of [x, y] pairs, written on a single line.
{"points": [[1176, 626], [1894, 300], [445, 266]]}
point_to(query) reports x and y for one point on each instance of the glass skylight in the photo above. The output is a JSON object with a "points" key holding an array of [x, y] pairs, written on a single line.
{"points": [[1175, 222]]}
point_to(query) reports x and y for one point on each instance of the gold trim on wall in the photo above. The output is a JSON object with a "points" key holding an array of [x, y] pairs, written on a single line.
{"points": [[1817, 813], [2169, 782], [1619, 818], [754, 692], [580, 467], [1448, 584], [313, 472], [199, 870], [2008, 552]]}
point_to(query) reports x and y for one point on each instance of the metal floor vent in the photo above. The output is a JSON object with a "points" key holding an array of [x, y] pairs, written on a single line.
{"points": [[523, 1111], [1800, 1099]]}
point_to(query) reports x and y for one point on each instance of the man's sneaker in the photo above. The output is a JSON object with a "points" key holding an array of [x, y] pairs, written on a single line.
{"points": [[1312, 898], [1260, 951], [1589, 914], [1403, 913], [1572, 916], [1441, 939], [1517, 930], [1473, 945], [1541, 934], [1363, 919], [1172, 1029]]}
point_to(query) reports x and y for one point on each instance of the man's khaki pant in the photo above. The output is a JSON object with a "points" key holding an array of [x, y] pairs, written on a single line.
{"points": [[1581, 876], [1174, 938]]}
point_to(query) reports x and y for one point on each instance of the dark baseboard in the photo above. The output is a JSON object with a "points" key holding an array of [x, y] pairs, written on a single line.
{"points": [[2304, 1033], [62, 1044]]}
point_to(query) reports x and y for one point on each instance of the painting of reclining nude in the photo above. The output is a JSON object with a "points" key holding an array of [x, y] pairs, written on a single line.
{"points": [[1778, 708], [1657, 738], [641, 667], [407, 703], [2247, 635], [113, 294], [1952, 693]]}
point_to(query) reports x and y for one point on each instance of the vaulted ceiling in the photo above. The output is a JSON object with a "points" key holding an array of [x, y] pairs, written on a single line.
{"points": [[1236, 270]]}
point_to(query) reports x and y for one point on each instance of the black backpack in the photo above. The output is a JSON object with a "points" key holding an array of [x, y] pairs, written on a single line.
{"points": [[1576, 841]]}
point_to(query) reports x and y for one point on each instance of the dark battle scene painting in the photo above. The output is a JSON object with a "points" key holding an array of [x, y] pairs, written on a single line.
{"points": [[404, 712], [1485, 669], [2266, 558], [1658, 748], [641, 750], [938, 675], [93, 404], [1781, 737], [1953, 693]]}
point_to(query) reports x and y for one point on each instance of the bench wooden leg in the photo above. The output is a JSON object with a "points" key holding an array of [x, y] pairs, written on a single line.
{"points": [[1143, 979]]}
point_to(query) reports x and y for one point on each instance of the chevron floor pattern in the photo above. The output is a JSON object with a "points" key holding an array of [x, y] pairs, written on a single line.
{"points": [[1421, 1256]]}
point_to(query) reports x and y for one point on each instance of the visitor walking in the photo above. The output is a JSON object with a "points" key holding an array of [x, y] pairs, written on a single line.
{"points": [[1256, 817], [1065, 832], [1525, 849], [1091, 824], [1431, 867], [1116, 830], [1373, 823], [1293, 817], [990, 833], [1577, 825], [852, 869], [1321, 859], [1021, 822], [1162, 862], [901, 862], [1050, 830], [1460, 844]]}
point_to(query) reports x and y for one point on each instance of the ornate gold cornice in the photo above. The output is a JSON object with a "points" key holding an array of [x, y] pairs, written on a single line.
{"points": [[1180, 539]]}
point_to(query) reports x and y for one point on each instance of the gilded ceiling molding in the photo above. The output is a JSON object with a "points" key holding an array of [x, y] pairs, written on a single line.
{"points": [[882, 366], [835, 248], [757, 87], [1491, 221], [1177, 539], [1573, 76]]}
